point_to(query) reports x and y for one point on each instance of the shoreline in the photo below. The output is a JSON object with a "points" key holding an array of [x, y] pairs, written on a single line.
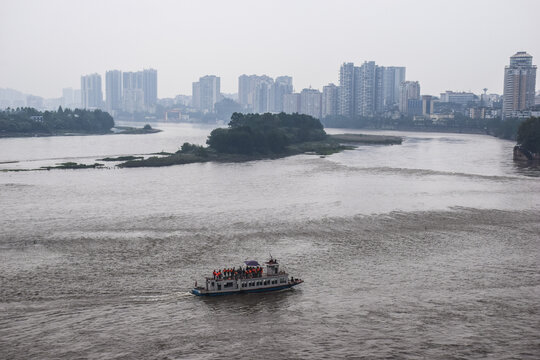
{"points": [[128, 131]]}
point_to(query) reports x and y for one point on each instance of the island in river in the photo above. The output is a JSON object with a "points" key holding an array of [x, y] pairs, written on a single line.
{"points": [[263, 136], [24, 122]]}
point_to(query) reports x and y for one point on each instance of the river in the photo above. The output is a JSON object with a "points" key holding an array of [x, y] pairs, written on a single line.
{"points": [[428, 249]]}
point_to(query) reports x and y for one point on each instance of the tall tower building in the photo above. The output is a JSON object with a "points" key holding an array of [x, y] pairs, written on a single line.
{"points": [[392, 77], [346, 89], [209, 92], [132, 89], [196, 95], [410, 90], [311, 102], [519, 83], [91, 93], [281, 86], [149, 87], [113, 90], [291, 103], [364, 89], [330, 98]]}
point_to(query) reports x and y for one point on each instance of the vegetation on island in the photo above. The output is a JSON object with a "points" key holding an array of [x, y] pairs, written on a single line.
{"points": [[29, 122], [72, 165], [261, 136], [122, 158], [146, 129], [528, 135]]}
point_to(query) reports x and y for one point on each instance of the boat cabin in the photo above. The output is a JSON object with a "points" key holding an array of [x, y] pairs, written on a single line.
{"points": [[273, 278]]}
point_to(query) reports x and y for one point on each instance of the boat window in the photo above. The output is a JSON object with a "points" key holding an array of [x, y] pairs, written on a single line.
{"points": [[282, 280], [228, 284]]}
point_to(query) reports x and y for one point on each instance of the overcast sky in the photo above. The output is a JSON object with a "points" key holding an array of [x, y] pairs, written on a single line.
{"points": [[457, 45]]}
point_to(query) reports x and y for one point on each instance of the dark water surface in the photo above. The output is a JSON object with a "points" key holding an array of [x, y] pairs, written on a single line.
{"points": [[429, 249]]}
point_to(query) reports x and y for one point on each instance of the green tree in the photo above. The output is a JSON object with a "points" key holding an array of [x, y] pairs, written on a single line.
{"points": [[528, 134]]}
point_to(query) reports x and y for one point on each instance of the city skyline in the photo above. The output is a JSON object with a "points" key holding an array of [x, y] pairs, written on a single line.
{"points": [[463, 50]]}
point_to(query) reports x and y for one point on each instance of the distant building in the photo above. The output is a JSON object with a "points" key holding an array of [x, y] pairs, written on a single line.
{"points": [[113, 90], [133, 93], [368, 89], [330, 100], [346, 90], [206, 93], [414, 107], [410, 90], [71, 98], [281, 86], [196, 95], [392, 77], [311, 103], [291, 103], [149, 88], [519, 84], [91, 93], [35, 102], [477, 113], [462, 98], [365, 89], [427, 105]]}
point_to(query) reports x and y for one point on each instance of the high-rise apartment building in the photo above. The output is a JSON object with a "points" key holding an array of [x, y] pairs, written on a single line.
{"points": [[330, 100], [410, 90], [113, 90], [346, 90], [368, 89], [206, 93], [149, 77], [519, 83], [365, 89], [71, 98], [260, 94], [392, 77], [196, 95], [133, 93], [311, 103], [291, 103], [281, 86], [91, 93]]}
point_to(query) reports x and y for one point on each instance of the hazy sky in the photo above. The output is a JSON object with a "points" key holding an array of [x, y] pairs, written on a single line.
{"points": [[457, 45]]}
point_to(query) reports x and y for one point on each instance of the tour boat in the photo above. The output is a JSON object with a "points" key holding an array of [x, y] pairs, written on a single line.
{"points": [[250, 278]]}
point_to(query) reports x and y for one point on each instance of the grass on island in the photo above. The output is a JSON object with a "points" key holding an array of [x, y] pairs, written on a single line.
{"points": [[122, 158], [72, 165], [368, 139]]}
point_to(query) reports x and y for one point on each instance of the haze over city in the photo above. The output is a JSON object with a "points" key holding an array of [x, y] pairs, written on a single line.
{"points": [[458, 45]]}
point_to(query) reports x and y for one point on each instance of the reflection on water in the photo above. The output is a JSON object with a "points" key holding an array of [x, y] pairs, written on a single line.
{"points": [[421, 250]]}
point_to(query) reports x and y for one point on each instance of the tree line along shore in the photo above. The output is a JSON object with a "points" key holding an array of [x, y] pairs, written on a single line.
{"points": [[23, 122]]}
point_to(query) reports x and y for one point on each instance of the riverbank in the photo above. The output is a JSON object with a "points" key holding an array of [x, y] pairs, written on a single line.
{"points": [[124, 130]]}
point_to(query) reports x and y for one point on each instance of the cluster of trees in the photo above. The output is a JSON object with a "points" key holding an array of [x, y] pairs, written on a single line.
{"points": [[265, 133], [30, 120], [528, 135]]}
